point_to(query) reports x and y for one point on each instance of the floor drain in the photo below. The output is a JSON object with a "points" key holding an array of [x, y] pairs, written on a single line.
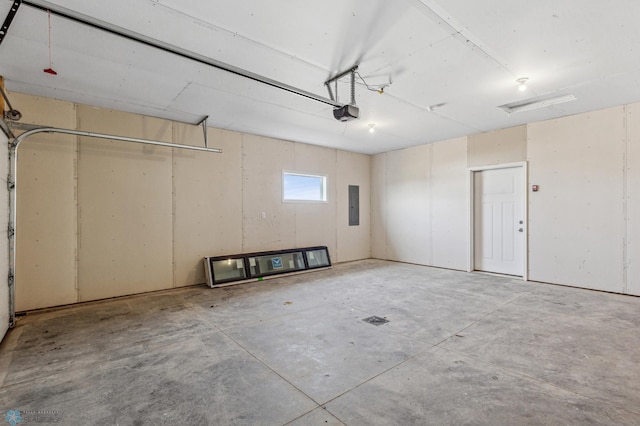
{"points": [[375, 320]]}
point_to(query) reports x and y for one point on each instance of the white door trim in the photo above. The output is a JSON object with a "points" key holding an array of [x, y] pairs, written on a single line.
{"points": [[525, 210]]}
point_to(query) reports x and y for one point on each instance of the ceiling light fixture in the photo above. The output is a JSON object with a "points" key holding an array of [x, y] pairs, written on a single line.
{"points": [[372, 128], [522, 84], [536, 103]]}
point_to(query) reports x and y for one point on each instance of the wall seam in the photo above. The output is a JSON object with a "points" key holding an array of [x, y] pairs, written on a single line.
{"points": [[430, 205], [527, 202], [242, 185], [173, 205], [78, 212], [385, 204], [295, 205], [625, 201], [370, 192], [337, 207]]}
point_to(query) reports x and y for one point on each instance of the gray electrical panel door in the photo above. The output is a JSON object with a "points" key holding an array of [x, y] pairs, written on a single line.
{"points": [[354, 205]]}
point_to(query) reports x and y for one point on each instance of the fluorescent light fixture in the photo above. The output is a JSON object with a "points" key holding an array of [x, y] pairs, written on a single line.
{"points": [[536, 103]]}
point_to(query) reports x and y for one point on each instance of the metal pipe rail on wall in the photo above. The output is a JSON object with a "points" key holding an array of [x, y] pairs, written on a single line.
{"points": [[12, 186]]}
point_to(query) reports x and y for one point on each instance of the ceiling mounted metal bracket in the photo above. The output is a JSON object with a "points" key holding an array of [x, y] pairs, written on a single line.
{"points": [[7, 21], [203, 123], [333, 98], [12, 113], [353, 86], [350, 111], [334, 79]]}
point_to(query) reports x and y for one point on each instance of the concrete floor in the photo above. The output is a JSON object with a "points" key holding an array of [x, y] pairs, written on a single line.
{"points": [[458, 349]]}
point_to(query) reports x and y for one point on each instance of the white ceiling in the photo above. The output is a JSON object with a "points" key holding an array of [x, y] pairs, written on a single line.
{"points": [[465, 54]]}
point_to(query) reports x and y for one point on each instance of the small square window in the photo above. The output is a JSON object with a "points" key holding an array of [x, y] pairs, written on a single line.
{"points": [[304, 187]]}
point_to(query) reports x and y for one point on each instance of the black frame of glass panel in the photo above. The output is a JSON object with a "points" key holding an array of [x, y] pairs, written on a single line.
{"points": [[210, 273], [311, 250], [282, 269]]}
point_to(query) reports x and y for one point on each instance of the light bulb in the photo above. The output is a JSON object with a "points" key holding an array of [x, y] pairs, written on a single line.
{"points": [[522, 86], [371, 128]]}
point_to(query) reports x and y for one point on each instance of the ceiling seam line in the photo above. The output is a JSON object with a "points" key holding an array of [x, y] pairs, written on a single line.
{"points": [[166, 47], [244, 37]]}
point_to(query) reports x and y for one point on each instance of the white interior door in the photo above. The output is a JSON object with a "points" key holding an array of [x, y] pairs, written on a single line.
{"points": [[499, 221]]}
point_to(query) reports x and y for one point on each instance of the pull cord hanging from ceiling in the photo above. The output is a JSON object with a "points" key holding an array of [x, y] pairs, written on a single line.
{"points": [[50, 70]]}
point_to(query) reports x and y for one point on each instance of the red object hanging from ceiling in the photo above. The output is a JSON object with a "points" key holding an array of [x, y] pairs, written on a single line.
{"points": [[50, 70]]}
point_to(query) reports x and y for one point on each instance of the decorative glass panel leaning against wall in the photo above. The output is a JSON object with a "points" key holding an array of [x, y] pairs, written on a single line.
{"points": [[300, 187], [221, 270], [317, 258]]}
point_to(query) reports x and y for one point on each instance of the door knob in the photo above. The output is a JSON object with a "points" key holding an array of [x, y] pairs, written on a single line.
{"points": [[520, 230]]}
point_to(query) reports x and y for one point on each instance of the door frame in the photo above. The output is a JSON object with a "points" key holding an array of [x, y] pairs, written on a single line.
{"points": [[525, 212]]}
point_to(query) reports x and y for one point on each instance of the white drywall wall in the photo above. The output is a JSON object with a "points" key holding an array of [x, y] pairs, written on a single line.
{"points": [[498, 147], [101, 218], [207, 196], [379, 206], [576, 231], [125, 206], [449, 204], [419, 205], [583, 223], [586, 166], [353, 242], [408, 218], [317, 221], [632, 219], [263, 161], [46, 225]]}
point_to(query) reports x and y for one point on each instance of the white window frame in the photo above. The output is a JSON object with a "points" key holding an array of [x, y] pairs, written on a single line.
{"points": [[312, 175]]}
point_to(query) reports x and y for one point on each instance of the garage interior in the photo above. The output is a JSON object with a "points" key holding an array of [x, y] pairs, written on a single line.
{"points": [[491, 276]]}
